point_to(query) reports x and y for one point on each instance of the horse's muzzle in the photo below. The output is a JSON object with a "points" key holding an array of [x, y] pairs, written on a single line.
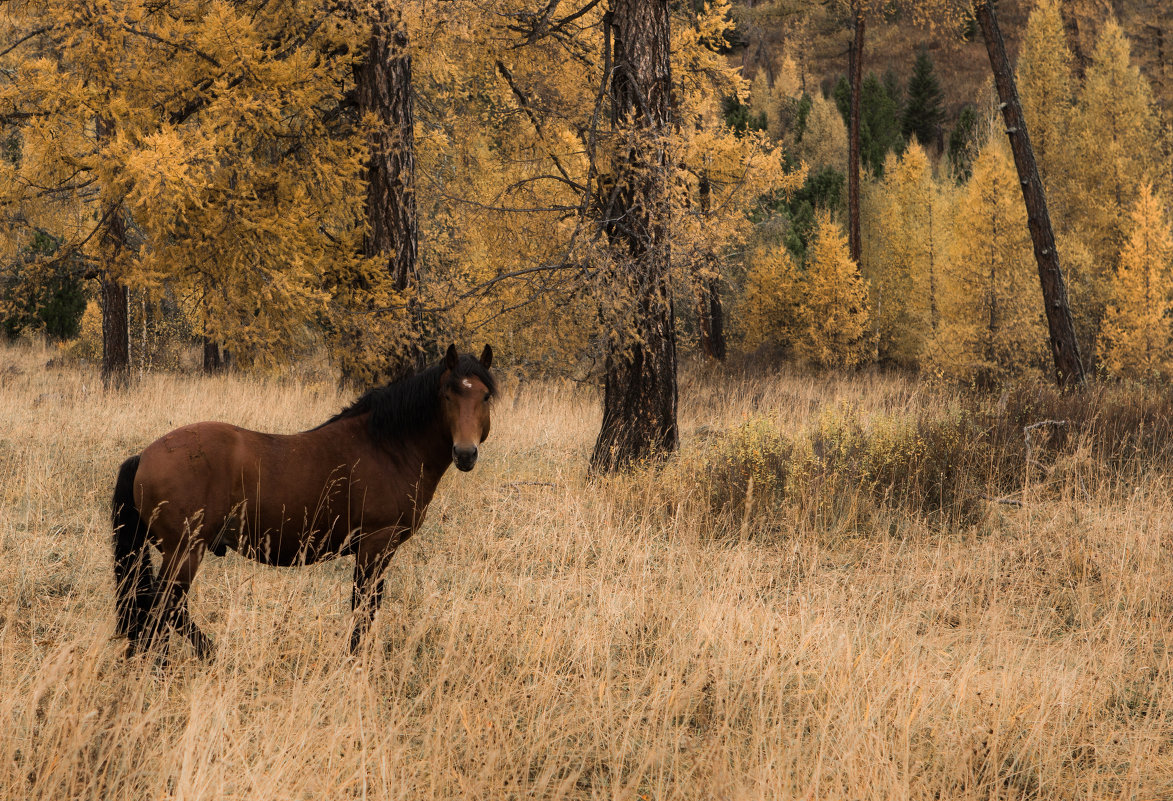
{"points": [[465, 459]]}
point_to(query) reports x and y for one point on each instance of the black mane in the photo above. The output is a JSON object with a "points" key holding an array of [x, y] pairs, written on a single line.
{"points": [[410, 403]]}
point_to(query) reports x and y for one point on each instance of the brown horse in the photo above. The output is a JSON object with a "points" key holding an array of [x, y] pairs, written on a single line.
{"points": [[359, 484]]}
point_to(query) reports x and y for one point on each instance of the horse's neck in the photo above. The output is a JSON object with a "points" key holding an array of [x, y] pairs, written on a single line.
{"points": [[426, 453]]}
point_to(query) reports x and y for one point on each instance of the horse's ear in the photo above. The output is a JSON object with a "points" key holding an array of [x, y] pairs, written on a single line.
{"points": [[487, 357], [451, 358]]}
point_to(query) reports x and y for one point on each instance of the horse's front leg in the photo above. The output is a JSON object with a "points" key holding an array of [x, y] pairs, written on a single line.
{"points": [[370, 561]]}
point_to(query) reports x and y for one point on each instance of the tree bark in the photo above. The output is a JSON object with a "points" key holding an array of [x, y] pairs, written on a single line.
{"points": [[1064, 346], [639, 393], [115, 333], [384, 91], [855, 67], [212, 360]]}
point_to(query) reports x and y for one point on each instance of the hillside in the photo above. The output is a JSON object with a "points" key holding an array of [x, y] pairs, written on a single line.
{"points": [[962, 65]]}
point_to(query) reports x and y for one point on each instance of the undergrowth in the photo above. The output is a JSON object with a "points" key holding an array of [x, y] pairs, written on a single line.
{"points": [[940, 463]]}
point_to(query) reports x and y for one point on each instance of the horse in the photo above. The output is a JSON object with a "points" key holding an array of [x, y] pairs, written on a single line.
{"points": [[359, 483]]}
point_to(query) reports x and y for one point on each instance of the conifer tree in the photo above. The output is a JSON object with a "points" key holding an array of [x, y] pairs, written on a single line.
{"points": [[1069, 369], [924, 110], [901, 256], [1138, 339], [639, 393], [1047, 90], [833, 318], [1114, 131], [992, 325], [218, 166], [768, 313]]}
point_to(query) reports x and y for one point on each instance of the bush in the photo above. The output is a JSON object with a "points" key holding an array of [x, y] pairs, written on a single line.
{"points": [[942, 463]]}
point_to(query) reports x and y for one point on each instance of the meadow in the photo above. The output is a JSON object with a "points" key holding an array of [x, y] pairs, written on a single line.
{"points": [[745, 622]]}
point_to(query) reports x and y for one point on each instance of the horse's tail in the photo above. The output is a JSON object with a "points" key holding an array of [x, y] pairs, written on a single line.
{"points": [[134, 578]]}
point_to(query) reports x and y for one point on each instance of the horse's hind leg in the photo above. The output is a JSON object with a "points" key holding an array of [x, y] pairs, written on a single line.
{"points": [[176, 574]]}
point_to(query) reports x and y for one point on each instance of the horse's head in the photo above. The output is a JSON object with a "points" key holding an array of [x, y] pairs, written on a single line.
{"points": [[465, 391]]}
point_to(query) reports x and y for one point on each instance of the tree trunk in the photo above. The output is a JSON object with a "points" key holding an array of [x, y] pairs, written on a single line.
{"points": [[212, 361], [384, 91], [710, 314], [1064, 346], [639, 394], [855, 67], [115, 332]]}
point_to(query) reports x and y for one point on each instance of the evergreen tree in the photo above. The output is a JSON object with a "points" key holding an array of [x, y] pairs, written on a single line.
{"points": [[879, 132], [1137, 336], [964, 144], [924, 111]]}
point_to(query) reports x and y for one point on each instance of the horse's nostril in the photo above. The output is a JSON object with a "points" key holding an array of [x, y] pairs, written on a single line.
{"points": [[464, 458]]}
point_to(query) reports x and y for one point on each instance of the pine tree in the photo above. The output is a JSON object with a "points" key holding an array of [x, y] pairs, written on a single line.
{"points": [[833, 319], [924, 112], [1138, 340], [964, 144]]}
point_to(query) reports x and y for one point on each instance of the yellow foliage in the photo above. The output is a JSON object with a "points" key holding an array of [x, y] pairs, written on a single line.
{"points": [[1137, 335], [992, 319], [901, 259], [1113, 136], [768, 312], [834, 313]]}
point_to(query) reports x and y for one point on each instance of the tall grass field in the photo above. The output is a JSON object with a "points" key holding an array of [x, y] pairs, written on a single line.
{"points": [[853, 587]]}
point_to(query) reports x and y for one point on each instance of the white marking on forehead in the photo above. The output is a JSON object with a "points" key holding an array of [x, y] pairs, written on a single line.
{"points": [[466, 384]]}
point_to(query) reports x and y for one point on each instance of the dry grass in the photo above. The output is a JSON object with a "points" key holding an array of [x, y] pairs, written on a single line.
{"points": [[546, 637]]}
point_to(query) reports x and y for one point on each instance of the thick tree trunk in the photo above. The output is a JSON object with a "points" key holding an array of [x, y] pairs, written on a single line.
{"points": [[855, 66], [115, 333], [639, 394], [212, 361], [1064, 346], [384, 90]]}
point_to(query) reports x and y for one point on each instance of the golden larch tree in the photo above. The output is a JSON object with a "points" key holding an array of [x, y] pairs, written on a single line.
{"points": [[992, 325], [1137, 338], [834, 316]]}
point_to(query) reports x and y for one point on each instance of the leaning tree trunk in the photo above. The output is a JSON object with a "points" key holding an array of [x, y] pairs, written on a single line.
{"points": [[855, 67], [384, 91], [639, 395], [1064, 346]]}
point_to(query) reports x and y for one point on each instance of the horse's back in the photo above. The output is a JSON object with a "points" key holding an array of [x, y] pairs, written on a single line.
{"points": [[191, 469]]}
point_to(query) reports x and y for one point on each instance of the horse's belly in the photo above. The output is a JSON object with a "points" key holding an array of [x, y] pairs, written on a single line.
{"points": [[288, 541]]}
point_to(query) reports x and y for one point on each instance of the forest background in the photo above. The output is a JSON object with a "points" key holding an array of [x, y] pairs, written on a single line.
{"points": [[210, 161], [848, 583]]}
